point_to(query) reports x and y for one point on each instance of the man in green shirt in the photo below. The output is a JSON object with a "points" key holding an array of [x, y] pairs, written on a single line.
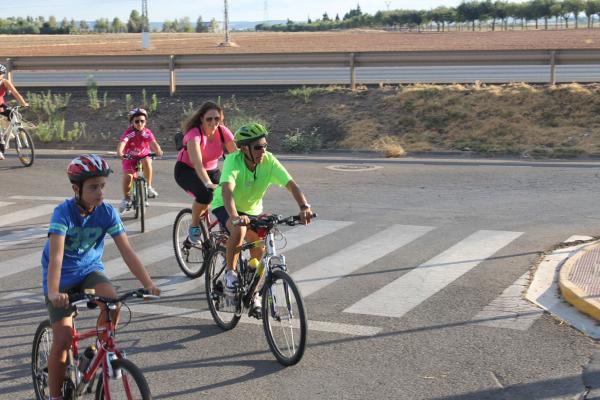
{"points": [[246, 176]]}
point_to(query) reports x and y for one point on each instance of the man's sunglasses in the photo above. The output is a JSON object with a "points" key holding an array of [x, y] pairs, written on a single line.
{"points": [[139, 121], [258, 147], [209, 119]]}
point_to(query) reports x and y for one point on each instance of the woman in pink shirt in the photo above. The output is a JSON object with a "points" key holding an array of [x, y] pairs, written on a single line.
{"points": [[196, 170], [137, 141]]}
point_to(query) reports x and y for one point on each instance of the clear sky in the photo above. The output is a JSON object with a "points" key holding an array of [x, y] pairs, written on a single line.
{"points": [[239, 10]]}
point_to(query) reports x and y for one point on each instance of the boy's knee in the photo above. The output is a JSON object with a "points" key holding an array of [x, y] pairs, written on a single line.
{"points": [[62, 337]]}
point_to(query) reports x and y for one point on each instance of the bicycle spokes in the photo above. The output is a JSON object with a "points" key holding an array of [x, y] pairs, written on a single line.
{"points": [[284, 319]]}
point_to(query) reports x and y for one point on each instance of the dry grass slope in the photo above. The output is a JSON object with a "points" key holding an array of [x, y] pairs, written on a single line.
{"points": [[516, 119]]}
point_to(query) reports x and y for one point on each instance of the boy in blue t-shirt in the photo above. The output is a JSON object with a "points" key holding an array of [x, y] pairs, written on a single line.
{"points": [[72, 257]]}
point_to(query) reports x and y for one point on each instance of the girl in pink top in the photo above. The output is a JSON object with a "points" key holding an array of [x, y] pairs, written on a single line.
{"points": [[6, 86], [196, 170], [137, 141]]}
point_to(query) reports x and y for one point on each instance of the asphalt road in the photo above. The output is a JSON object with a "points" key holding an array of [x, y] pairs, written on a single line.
{"points": [[313, 76], [404, 262]]}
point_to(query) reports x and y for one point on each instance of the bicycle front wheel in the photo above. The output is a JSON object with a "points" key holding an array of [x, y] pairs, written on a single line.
{"points": [[141, 195], [25, 147], [130, 384], [40, 353], [225, 309], [192, 258], [284, 318]]}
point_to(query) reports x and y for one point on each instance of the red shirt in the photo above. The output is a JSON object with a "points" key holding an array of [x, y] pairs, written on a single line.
{"points": [[137, 143]]}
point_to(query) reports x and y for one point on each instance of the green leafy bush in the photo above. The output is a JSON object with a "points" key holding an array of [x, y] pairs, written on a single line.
{"points": [[301, 142]]}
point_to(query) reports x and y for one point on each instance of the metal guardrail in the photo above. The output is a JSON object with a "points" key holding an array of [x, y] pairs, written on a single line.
{"points": [[288, 60]]}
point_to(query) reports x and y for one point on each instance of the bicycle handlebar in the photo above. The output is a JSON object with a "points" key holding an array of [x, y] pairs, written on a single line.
{"points": [[84, 298], [270, 221], [130, 157]]}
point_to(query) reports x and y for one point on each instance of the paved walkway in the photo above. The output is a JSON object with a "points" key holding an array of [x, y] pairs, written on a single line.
{"points": [[579, 280]]}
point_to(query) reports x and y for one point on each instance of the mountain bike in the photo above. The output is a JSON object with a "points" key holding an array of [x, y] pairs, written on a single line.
{"points": [[192, 258], [138, 192], [283, 312], [119, 379], [23, 143]]}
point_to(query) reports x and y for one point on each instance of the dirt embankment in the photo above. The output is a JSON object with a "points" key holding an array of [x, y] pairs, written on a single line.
{"points": [[514, 119]]}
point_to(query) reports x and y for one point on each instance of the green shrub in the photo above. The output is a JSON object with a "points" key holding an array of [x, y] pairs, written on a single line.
{"points": [[47, 102], [92, 92], [306, 92], [54, 130], [190, 109], [301, 142], [128, 103], [153, 104]]}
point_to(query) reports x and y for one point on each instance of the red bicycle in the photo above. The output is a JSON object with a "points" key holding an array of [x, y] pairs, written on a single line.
{"points": [[119, 379], [191, 257]]}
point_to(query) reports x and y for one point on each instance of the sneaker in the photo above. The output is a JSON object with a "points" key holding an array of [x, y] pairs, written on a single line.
{"points": [[256, 309], [1, 156], [231, 280], [152, 193], [194, 234], [124, 205]]}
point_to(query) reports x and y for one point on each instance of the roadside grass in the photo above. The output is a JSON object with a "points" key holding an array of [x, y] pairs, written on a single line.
{"points": [[306, 92], [560, 121]]}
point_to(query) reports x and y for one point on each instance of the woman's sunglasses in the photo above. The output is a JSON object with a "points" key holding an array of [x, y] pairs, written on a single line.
{"points": [[258, 147], [139, 121], [210, 119]]}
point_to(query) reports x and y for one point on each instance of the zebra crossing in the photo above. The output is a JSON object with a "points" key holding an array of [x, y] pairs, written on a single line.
{"points": [[393, 300]]}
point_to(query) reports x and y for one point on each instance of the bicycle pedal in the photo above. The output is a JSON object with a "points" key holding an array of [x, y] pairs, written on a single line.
{"points": [[255, 312]]}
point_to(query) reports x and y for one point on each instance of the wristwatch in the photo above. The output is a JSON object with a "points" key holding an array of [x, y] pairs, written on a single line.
{"points": [[304, 206]]}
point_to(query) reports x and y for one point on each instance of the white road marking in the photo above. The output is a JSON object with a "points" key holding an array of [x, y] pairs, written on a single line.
{"points": [[23, 236], [5, 203], [178, 284], [26, 214], [510, 310], [329, 269], [33, 260], [318, 228], [25, 297], [322, 326], [157, 309], [544, 291], [416, 286]]}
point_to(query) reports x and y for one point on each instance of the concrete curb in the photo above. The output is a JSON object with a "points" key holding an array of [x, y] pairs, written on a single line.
{"points": [[571, 292]]}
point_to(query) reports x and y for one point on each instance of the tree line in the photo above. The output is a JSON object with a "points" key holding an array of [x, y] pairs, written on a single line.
{"points": [[135, 23], [469, 15]]}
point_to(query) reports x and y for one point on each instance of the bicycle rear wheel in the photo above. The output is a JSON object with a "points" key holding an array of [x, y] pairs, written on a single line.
{"points": [[284, 318], [191, 258], [25, 148], [42, 341], [141, 195], [130, 385], [225, 310]]}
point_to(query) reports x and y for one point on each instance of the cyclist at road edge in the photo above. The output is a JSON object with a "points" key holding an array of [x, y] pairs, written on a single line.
{"points": [[7, 86]]}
